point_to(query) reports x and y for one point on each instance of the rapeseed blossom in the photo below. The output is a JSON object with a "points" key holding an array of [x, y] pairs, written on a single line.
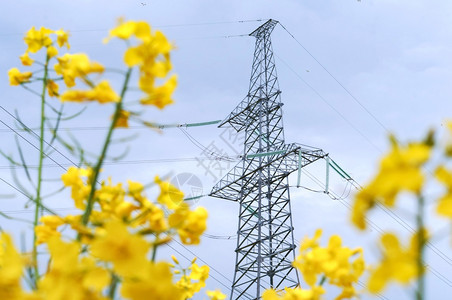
{"points": [[216, 295], [127, 251], [338, 265], [444, 207], [36, 39], [152, 57], [70, 272], [400, 171], [157, 281], [398, 263], [11, 269], [26, 60], [16, 77], [73, 66], [315, 293]]}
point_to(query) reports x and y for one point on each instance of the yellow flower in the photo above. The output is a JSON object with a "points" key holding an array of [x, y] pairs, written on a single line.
{"points": [[444, 207], [335, 262], [75, 222], [52, 51], [294, 294], [178, 217], [36, 39], [399, 171], [102, 93], [79, 190], [109, 195], [125, 30], [193, 226], [52, 88], [216, 295], [311, 243], [135, 191], [10, 269], [48, 229], [44, 233], [397, 264], [124, 210], [195, 281], [73, 66], [26, 60], [170, 196], [16, 77], [199, 272], [82, 277], [123, 119], [161, 96], [157, 282], [126, 251], [174, 259], [157, 219], [62, 38]]}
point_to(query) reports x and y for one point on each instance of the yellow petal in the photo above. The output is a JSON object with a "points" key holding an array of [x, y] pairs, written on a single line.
{"points": [[26, 60], [52, 51]]}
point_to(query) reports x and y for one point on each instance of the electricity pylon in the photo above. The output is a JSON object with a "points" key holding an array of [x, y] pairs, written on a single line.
{"points": [[259, 182]]}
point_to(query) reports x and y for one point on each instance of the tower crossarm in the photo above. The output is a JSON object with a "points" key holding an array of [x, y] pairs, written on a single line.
{"points": [[246, 111], [240, 180]]}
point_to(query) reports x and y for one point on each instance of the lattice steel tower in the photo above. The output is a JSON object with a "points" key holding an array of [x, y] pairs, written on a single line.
{"points": [[259, 182]]}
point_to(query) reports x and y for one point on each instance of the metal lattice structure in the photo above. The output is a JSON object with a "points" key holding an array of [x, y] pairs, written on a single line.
{"points": [[259, 182]]}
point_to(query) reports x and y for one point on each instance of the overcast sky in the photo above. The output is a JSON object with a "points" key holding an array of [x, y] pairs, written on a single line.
{"points": [[391, 57]]}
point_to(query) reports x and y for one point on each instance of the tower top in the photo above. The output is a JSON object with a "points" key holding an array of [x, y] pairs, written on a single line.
{"points": [[265, 28]]}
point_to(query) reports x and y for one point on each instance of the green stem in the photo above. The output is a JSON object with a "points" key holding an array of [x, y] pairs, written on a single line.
{"points": [[113, 286], [96, 171], [322, 280], [421, 246], [41, 159], [154, 252]]}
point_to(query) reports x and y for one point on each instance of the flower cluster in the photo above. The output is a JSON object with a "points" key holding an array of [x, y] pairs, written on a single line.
{"points": [[36, 40], [192, 279], [397, 263], [335, 264], [151, 56], [120, 207], [400, 170], [123, 228], [294, 294], [112, 243]]}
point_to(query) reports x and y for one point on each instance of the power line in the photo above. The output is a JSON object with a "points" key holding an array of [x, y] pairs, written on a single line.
{"points": [[410, 229], [134, 162], [394, 216], [33, 145], [14, 187], [333, 196], [363, 285], [335, 79], [158, 26], [36, 136], [90, 128], [330, 105], [211, 276], [204, 148], [208, 23], [221, 274], [436, 273], [191, 252]]}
